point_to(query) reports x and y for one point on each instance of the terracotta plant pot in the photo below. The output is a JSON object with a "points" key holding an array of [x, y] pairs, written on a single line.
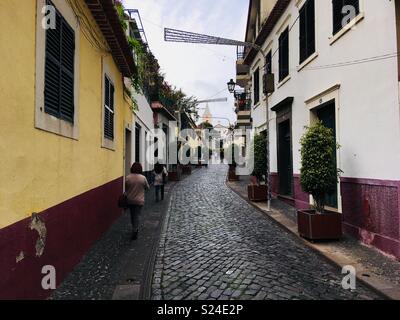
{"points": [[175, 175], [232, 175], [314, 226], [257, 192], [187, 170]]}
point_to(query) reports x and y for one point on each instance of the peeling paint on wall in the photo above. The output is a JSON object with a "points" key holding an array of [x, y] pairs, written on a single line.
{"points": [[39, 226], [20, 257]]}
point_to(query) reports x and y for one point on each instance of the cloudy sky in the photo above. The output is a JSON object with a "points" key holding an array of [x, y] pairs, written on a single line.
{"points": [[200, 70]]}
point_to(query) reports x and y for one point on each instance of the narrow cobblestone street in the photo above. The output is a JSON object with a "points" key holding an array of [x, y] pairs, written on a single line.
{"points": [[217, 246]]}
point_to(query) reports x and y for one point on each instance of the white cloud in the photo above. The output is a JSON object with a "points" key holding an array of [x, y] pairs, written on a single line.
{"points": [[200, 70]]}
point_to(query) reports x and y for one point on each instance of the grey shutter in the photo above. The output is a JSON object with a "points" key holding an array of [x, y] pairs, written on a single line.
{"points": [[284, 55], [310, 27], [67, 73], [59, 70], [303, 33], [52, 83], [108, 109]]}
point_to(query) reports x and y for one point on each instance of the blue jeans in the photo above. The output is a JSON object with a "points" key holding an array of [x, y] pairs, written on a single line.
{"points": [[159, 189], [135, 217]]}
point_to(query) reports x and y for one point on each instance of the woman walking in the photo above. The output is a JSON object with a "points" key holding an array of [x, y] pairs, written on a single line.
{"points": [[135, 186], [160, 175]]}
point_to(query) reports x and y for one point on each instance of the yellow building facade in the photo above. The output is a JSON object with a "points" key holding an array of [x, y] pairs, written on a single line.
{"points": [[60, 179]]}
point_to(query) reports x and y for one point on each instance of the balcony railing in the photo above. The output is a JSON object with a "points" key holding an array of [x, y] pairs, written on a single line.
{"points": [[167, 103], [243, 101]]}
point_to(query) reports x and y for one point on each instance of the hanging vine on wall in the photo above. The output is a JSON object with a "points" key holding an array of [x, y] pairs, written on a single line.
{"points": [[149, 80]]}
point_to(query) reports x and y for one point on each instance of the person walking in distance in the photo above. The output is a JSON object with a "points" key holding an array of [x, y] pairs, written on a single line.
{"points": [[135, 186], [160, 176]]}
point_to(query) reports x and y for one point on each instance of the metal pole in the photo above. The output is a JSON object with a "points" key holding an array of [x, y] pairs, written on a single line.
{"points": [[268, 155], [268, 178]]}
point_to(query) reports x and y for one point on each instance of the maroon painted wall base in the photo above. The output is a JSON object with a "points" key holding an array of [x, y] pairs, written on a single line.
{"points": [[371, 209], [386, 245], [300, 200], [72, 228]]}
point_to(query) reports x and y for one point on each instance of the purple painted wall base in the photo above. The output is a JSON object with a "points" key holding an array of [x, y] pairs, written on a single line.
{"points": [[72, 228], [302, 199], [371, 209]]}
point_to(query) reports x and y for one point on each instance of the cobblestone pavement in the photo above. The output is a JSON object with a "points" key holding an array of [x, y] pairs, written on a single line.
{"points": [[217, 246], [116, 262]]}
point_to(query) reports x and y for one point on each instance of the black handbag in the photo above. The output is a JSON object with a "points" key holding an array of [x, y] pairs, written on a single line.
{"points": [[123, 201]]}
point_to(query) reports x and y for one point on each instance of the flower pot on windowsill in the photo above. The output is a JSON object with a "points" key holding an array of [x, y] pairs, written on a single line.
{"points": [[316, 226], [257, 193]]}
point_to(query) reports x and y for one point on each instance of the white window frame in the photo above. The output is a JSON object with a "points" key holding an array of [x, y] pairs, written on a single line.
{"points": [[350, 26], [284, 25], [43, 120], [105, 142], [300, 4]]}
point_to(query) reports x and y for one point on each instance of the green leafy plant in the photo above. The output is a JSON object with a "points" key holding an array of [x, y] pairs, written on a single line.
{"points": [[206, 125], [232, 150], [121, 13], [319, 174], [260, 157], [149, 79]]}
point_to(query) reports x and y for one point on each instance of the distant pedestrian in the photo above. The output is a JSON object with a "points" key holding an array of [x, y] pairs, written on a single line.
{"points": [[135, 186], [160, 177]]}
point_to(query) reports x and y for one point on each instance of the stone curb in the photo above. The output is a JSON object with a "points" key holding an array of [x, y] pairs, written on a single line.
{"points": [[375, 283]]}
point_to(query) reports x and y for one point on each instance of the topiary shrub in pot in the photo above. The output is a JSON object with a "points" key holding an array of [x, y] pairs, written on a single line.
{"points": [[176, 173], [258, 190], [319, 177], [232, 176]]}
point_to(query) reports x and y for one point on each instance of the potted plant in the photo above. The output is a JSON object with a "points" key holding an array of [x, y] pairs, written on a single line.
{"points": [[258, 190], [176, 173], [232, 176], [319, 177], [187, 169]]}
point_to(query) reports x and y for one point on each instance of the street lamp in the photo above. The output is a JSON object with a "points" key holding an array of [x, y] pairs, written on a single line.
{"points": [[231, 86]]}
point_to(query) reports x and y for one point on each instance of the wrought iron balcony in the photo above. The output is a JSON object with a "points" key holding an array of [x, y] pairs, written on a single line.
{"points": [[242, 70], [243, 102]]}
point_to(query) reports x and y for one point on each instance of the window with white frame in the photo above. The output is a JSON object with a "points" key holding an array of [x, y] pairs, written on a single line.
{"points": [[307, 30], [342, 11], [268, 63], [57, 63], [256, 85], [59, 69], [284, 54], [108, 109]]}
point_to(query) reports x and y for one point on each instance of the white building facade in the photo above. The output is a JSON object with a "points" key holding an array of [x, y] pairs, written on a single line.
{"points": [[143, 133], [340, 67]]}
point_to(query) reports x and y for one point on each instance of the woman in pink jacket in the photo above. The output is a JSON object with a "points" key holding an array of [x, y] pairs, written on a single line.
{"points": [[135, 186]]}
